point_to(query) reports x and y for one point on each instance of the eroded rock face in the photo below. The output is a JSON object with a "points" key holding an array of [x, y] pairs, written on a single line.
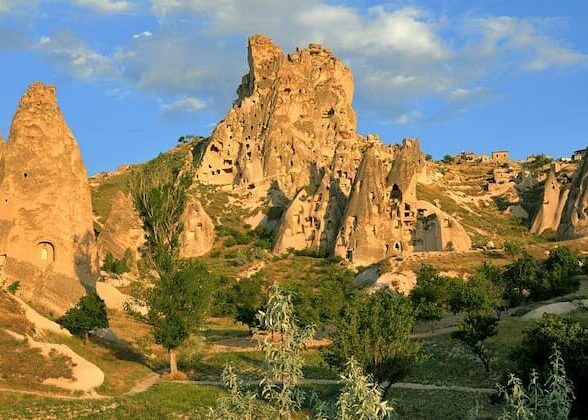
{"points": [[198, 235], [46, 229], [123, 230], [574, 219], [552, 206], [290, 138], [291, 113]]}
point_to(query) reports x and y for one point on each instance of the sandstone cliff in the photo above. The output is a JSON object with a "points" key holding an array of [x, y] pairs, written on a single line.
{"points": [[46, 229], [198, 235], [552, 205], [574, 219], [123, 230]]}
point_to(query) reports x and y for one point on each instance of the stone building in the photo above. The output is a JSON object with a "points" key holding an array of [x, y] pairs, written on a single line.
{"points": [[500, 156]]}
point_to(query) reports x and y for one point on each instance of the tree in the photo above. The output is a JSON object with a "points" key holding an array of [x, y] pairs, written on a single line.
{"points": [[520, 279], [551, 401], [473, 332], [447, 159], [430, 295], [559, 272], [514, 248], [282, 347], [88, 314], [571, 339], [178, 303], [250, 296], [375, 329], [476, 294], [360, 398], [118, 266]]}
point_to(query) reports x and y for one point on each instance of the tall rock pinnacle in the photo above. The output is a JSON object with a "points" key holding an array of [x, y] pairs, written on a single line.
{"points": [[46, 228]]}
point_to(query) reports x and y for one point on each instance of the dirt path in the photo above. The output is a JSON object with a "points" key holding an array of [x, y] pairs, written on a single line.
{"points": [[399, 385]]}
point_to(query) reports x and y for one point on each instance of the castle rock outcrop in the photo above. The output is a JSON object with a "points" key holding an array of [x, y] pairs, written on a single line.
{"points": [[552, 205], [291, 113], [122, 231], [198, 235], [46, 228], [574, 219], [291, 138]]}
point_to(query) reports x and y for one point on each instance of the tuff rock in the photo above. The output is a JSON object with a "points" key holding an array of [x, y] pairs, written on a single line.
{"points": [[46, 228]]}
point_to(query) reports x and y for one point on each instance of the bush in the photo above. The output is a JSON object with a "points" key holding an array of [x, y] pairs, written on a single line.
{"points": [[559, 273], [473, 332], [375, 329], [118, 266], [250, 296], [571, 339], [88, 314], [13, 287]]}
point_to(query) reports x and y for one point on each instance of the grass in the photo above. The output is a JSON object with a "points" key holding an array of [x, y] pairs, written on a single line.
{"points": [[164, 400]]}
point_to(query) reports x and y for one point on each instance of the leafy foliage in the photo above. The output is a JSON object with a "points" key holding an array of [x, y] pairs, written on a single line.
{"points": [[13, 287], [360, 398], [250, 296], [88, 314], [473, 332], [375, 329], [118, 266], [282, 347], [571, 339], [551, 401], [237, 405], [178, 303]]}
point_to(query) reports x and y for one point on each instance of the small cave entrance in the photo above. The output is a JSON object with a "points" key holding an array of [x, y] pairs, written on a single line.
{"points": [[396, 194], [46, 252]]}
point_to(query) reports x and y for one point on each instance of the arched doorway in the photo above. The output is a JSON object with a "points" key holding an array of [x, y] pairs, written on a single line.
{"points": [[46, 252]]}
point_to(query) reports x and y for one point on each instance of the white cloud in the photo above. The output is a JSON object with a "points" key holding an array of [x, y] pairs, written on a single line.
{"points": [[7, 6], [505, 34], [144, 34], [106, 6], [400, 56], [408, 117], [182, 107], [71, 53]]}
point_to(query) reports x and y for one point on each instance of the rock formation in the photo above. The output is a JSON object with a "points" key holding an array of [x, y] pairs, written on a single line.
{"points": [[290, 113], [46, 229], [290, 137], [552, 205], [123, 230], [574, 219], [198, 235]]}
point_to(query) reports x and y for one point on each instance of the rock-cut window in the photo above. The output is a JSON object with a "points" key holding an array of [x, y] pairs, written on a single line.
{"points": [[46, 252]]}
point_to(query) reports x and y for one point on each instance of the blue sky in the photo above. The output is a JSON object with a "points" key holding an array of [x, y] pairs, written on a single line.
{"points": [[134, 75]]}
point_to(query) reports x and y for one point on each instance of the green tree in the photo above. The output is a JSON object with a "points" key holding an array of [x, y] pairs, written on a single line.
{"points": [[360, 398], [178, 303], [375, 329], [514, 248], [282, 346], [520, 279], [559, 272], [88, 314], [250, 296], [118, 266], [447, 159], [474, 331], [475, 294]]}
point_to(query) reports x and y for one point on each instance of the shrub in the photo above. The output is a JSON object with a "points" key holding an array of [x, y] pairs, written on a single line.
{"points": [[118, 266], [88, 314], [376, 329], [13, 287], [571, 339], [473, 332], [551, 401]]}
